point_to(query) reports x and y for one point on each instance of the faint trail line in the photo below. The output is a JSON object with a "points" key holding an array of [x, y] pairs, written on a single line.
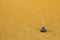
{"points": [[43, 22]]}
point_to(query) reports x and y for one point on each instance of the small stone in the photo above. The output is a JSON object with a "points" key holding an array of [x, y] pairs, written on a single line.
{"points": [[43, 29]]}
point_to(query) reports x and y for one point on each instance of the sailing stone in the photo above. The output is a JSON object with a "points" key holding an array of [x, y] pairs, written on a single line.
{"points": [[43, 29]]}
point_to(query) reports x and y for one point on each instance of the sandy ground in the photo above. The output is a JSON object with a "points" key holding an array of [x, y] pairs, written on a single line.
{"points": [[22, 19]]}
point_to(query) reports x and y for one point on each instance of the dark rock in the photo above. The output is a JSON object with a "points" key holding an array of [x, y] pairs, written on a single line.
{"points": [[43, 29]]}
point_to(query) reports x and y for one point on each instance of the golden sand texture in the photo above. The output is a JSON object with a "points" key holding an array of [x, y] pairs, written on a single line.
{"points": [[22, 19]]}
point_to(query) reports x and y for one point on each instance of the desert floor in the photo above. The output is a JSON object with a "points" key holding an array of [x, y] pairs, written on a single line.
{"points": [[23, 19]]}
